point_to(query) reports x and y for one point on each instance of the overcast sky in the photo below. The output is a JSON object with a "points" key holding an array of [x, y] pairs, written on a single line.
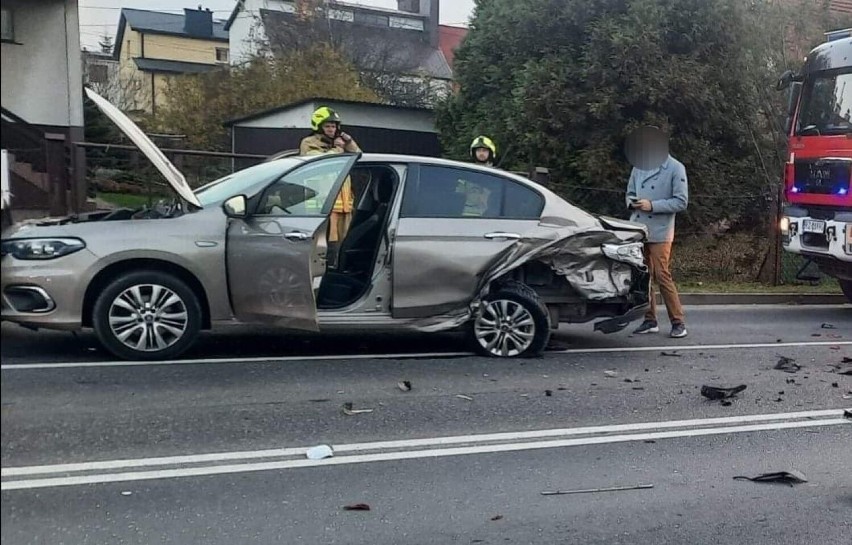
{"points": [[99, 17]]}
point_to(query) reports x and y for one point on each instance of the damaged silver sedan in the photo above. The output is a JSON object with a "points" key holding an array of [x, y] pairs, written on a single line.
{"points": [[433, 245]]}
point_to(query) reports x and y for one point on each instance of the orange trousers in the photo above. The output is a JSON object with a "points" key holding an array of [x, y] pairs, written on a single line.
{"points": [[658, 258]]}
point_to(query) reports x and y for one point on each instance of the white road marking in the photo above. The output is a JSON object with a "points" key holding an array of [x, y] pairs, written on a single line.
{"points": [[423, 355], [402, 455], [414, 443]]}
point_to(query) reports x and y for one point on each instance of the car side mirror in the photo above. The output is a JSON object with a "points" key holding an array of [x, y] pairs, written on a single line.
{"points": [[236, 207], [785, 80]]}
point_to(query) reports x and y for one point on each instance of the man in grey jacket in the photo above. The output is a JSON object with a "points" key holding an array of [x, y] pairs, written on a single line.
{"points": [[657, 191]]}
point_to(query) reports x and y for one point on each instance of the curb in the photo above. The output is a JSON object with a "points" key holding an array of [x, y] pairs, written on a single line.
{"points": [[698, 299]]}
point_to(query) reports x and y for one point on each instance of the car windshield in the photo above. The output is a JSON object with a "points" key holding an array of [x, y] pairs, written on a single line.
{"points": [[826, 105], [242, 181]]}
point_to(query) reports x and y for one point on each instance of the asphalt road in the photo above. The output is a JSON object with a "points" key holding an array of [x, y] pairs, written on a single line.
{"points": [[461, 458]]}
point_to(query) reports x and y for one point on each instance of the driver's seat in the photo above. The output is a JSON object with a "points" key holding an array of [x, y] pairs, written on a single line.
{"points": [[357, 249]]}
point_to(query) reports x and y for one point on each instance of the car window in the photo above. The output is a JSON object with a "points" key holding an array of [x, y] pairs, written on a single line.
{"points": [[446, 192], [304, 191], [243, 181]]}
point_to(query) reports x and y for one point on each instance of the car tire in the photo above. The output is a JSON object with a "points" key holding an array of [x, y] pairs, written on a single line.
{"points": [[512, 322], [147, 315], [846, 288]]}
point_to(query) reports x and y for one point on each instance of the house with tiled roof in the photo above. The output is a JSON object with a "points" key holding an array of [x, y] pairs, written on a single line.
{"points": [[150, 46], [406, 43]]}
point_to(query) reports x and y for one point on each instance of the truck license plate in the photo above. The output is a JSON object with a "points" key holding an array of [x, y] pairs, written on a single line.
{"points": [[813, 226]]}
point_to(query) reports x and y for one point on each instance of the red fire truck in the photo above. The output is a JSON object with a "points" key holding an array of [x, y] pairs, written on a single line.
{"points": [[817, 220]]}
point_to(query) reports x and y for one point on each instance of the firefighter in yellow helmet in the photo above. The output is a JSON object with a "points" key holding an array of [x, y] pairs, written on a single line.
{"points": [[483, 151], [328, 138]]}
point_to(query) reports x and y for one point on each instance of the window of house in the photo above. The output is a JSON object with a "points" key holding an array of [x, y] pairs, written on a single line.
{"points": [[446, 192], [8, 25], [222, 54], [371, 19], [97, 73]]}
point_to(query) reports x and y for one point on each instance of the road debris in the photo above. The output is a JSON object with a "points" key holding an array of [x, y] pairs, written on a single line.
{"points": [[717, 392], [356, 507], [672, 354], [788, 365], [835, 385], [843, 369], [847, 413], [726, 403], [611, 374], [462, 396], [497, 517], [404, 385], [348, 410], [320, 452], [791, 477], [548, 393], [126, 493], [595, 490], [828, 326]]}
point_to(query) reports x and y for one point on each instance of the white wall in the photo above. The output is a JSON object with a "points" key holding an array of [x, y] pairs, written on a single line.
{"points": [[360, 115], [246, 30], [42, 77]]}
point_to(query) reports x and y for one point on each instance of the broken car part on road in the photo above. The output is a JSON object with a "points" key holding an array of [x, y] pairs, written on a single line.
{"points": [[716, 393], [595, 490], [791, 477]]}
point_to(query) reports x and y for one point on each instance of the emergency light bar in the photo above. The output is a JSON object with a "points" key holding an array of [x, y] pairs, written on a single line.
{"points": [[838, 34]]}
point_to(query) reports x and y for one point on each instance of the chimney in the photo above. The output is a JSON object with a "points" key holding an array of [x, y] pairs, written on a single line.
{"points": [[198, 22], [424, 7]]}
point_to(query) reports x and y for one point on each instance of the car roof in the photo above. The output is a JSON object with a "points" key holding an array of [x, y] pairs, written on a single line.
{"points": [[437, 161]]}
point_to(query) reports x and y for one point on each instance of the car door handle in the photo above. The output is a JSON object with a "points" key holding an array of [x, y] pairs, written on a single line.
{"points": [[510, 236], [296, 235]]}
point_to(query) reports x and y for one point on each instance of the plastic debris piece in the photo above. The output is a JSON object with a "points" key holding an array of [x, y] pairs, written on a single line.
{"points": [[404, 385], [828, 326], [126, 493], [349, 411], [594, 490], [611, 374], [548, 393], [791, 477], [788, 365], [672, 354], [319, 452], [497, 517], [716, 392], [462, 396], [356, 507]]}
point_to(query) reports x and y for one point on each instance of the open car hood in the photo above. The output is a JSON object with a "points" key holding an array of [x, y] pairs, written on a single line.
{"points": [[172, 175]]}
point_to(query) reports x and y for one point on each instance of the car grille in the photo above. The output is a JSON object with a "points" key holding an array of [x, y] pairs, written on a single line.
{"points": [[822, 177]]}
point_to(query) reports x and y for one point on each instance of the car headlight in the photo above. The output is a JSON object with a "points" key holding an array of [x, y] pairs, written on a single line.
{"points": [[631, 253], [784, 225], [40, 248]]}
